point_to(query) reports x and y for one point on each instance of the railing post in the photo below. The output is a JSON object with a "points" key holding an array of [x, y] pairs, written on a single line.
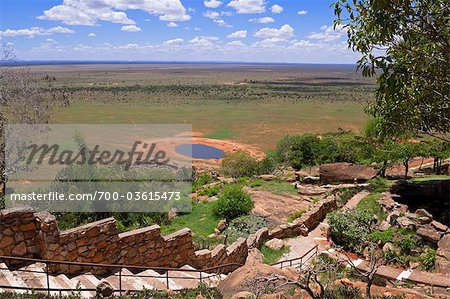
{"points": [[201, 277], [120, 281], [281, 266], [167, 279], [48, 278]]}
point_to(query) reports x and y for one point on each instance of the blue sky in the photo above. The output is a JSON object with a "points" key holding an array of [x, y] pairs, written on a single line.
{"points": [[297, 31]]}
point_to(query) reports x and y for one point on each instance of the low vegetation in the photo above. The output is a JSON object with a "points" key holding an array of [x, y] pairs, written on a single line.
{"points": [[272, 255], [233, 202]]}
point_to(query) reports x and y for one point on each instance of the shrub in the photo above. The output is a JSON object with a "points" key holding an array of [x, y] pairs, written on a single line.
{"points": [[298, 150], [350, 228], [243, 226], [239, 164], [428, 259], [233, 202], [382, 236], [201, 180], [296, 215], [379, 184], [210, 191]]}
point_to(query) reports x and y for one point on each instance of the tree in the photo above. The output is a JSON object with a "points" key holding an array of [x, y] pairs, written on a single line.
{"points": [[299, 150], [407, 44], [21, 102]]}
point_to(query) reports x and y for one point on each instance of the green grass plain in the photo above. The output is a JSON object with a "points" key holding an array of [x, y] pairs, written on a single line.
{"points": [[254, 104]]}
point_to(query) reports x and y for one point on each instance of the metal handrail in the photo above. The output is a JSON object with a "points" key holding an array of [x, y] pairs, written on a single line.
{"points": [[211, 270], [292, 261]]}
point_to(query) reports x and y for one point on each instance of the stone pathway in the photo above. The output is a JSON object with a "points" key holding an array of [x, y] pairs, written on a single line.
{"points": [[302, 244]]}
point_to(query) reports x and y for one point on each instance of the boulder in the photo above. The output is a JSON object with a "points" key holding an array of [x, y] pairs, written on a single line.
{"points": [[393, 216], [439, 226], [443, 255], [248, 278], [244, 295], [311, 191], [384, 225], [222, 225], [275, 244], [254, 257], [311, 180], [267, 177], [104, 289], [345, 172], [405, 222], [429, 233], [423, 213]]}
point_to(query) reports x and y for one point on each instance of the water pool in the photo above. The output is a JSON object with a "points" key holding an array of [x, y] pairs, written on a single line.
{"points": [[199, 151]]}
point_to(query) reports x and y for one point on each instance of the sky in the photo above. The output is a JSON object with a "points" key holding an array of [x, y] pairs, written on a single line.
{"points": [[294, 31]]}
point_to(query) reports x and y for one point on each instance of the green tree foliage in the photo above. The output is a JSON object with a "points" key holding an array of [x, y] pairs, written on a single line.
{"points": [[298, 150], [233, 202], [350, 228], [407, 44], [239, 164]]}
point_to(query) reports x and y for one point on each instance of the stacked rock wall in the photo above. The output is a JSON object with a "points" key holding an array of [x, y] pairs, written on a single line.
{"points": [[36, 235]]}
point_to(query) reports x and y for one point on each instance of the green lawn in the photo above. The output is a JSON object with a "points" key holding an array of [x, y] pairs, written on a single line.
{"points": [[261, 124], [201, 221], [271, 255], [278, 187], [431, 178], [370, 204]]}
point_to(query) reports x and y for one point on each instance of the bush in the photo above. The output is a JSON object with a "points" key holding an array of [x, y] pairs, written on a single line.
{"points": [[239, 164], [428, 259], [298, 150], [379, 184], [382, 236], [350, 228], [233, 202], [243, 226]]}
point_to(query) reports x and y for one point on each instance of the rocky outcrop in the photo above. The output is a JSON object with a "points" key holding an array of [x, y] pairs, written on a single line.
{"points": [[345, 173], [248, 279], [443, 255], [428, 229]]}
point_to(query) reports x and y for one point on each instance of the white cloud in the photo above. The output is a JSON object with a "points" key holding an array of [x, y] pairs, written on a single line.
{"points": [[35, 31], [131, 28], [89, 12], [222, 23], [285, 32], [213, 15], [248, 6], [50, 40], [203, 42], [302, 12], [276, 8], [147, 20], [174, 42], [92, 34], [172, 24], [238, 34], [273, 42], [328, 33], [216, 17], [212, 3], [236, 43], [263, 20]]}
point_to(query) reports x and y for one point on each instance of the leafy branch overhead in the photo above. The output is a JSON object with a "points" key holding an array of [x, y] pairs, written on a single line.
{"points": [[406, 44]]}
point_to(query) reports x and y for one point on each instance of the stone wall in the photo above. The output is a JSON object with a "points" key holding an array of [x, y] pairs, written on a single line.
{"points": [[36, 235], [307, 222]]}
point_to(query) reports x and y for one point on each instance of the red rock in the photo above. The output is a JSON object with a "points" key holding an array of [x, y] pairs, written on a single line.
{"points": [[345, 172]]}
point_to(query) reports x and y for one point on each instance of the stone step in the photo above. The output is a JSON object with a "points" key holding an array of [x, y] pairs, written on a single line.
{"points": [[185, 279], [11, 280], [86, 281], [159, 281], [141, 283], [114, 281]]}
